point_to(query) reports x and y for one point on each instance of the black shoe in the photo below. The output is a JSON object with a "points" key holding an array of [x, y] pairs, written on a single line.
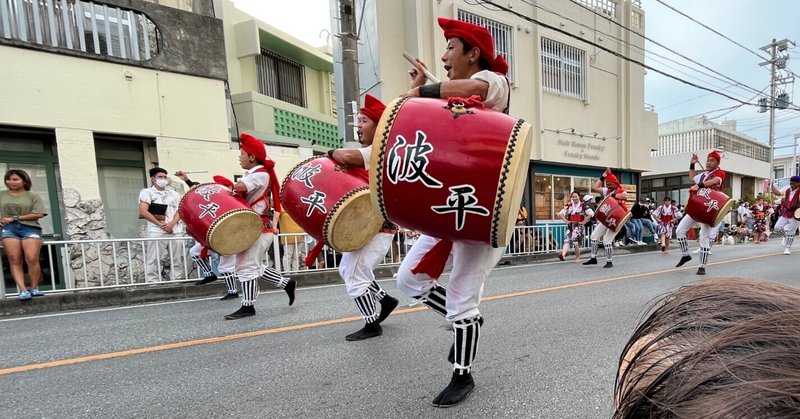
{"points": [[561, 257], [370, 330], [290, 286], [456, 392], [701, 271], [608, 265], [683, 260], [663, 248], [592, 261], [243, 311], [388, 304], [229, 296], [206, 280]]}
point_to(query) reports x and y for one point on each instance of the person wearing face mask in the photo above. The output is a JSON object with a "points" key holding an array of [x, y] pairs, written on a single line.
{"points": [[159, 207], [356, 267]]}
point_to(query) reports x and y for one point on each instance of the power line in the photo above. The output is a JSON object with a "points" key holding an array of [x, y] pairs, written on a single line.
{"points": [[644, 50], [613, 21], [711, 29], [614, 53]]}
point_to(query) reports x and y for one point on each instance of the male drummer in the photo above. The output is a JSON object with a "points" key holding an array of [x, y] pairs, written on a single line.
{"points": [[789, 204], [257, 184], [473, 69], [712, 179], [601, 232], [356, 267]]}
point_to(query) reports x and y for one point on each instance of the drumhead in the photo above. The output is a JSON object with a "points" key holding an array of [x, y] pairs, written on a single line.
{"points": [[234, 232], [352, 222], [797, 214], [511, 185], [723, 212]]}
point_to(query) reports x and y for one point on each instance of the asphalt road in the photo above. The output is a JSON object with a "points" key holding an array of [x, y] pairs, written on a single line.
{"points": [[549, 348]]}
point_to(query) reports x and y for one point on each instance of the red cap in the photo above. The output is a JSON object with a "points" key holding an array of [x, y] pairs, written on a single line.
{"points": [[714, 154], [373, 108], [610, 178], [252, 145], [476, 36]]}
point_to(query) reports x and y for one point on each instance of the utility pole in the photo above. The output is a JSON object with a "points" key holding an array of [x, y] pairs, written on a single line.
{"points": [[350, 89], [775, 62]]}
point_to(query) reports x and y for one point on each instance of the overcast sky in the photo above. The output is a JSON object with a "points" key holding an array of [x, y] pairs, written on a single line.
{"points": [[751, 23]]}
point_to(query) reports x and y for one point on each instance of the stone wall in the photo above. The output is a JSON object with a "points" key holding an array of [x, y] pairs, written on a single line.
{"points": [[94, 264]]}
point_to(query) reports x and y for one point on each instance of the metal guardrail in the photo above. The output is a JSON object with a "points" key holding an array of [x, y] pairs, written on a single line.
{"points": [[70, 265]]}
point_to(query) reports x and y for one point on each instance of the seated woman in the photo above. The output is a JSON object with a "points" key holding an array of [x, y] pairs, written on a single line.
{"points": [[725, 348]]}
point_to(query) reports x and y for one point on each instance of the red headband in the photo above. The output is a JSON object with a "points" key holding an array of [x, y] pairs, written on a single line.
{"points": [[610, 178], [478, 37], [715, 155], [373, 108]]}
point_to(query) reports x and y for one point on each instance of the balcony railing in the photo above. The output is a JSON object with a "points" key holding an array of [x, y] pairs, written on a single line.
{"points": [[81, 26]]}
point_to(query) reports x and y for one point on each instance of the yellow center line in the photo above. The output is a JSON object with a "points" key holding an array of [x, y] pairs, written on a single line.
{"points": [[263, 332]]}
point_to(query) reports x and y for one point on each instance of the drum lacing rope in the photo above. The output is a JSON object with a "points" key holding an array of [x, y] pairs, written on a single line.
{"points": [[512, 143], [382, 153]]}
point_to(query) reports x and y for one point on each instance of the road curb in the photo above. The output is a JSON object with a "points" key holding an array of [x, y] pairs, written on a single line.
{"points": [[121, 297]]}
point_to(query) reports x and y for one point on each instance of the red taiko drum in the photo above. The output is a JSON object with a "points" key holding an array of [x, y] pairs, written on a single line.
{"points": [[219, 220], [331, 202], [611, 214], [708, 206], [450, 171]]}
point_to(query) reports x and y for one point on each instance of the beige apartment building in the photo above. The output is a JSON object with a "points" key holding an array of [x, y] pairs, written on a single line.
{"points": [[572, 80]]}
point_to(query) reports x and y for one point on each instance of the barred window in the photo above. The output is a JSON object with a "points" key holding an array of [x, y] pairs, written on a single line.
{"points": [[501, 34], [281, 78], [563, 69], [80, 25]]}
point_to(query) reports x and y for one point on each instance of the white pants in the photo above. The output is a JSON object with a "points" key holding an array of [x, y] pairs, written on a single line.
{"points": [[226, 264], [250, 263], [291, 256], [707, 232], [603, 233], [157, 249], [788, 225], [356, 267], [472, 264]]}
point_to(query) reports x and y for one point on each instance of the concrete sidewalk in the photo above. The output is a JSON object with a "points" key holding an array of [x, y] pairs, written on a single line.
{"points": [[125, 296]]}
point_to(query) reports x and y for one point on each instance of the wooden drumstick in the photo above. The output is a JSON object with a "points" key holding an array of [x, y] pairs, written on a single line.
{"points": [[195, 171], [425, 71]]}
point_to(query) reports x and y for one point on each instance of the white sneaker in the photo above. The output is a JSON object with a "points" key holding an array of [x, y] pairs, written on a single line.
{"points": [[697, 251], [641, 243], [787, 252]]}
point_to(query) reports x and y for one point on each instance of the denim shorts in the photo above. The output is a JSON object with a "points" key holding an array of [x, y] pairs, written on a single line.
{"points": [[17, 230]]}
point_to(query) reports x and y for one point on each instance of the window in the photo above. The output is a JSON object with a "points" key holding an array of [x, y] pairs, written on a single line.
{"points": [[281, 78], [563, 69], [501, 34], [551, 193], [779, 172], [121, 174], [80, 25], [543, 202]]}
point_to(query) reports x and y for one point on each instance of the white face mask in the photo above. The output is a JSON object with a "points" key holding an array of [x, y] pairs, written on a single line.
{"points": [[162, 183]]}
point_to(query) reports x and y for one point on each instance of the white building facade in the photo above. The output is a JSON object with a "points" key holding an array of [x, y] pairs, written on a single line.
{"points": [[744, 159]]}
